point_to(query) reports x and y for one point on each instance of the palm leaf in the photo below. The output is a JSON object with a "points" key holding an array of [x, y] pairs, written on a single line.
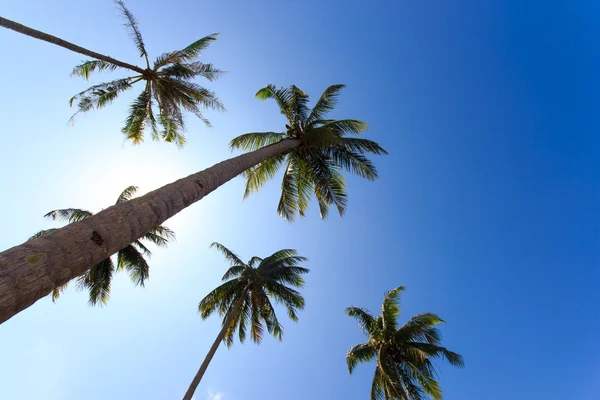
{"points": [[365, 319], [255, 140], [88, 67], [134, 31], [229, 255], [282, 96], [187, 54], [127, 194], [360, 353], [42, 233], [133, 261], [390, 308], [68, 214], [258, 175], [326, 103]]}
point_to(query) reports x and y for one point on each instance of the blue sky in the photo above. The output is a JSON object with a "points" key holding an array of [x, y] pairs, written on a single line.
{"points": [[487, 210]]}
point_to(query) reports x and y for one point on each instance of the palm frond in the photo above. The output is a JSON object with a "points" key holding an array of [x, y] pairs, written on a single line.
{"points": [[365, 319], [88, 67], [255, 140], [353, 162], [363, 146], [344, 126], [360, 353], [434, 351], [187, 54], [298, 105], [218, 296], [192, 70], [127, 194], [254, 260], [134, 31], [233, 272], [420, 328], [258, 175], [283, 97], [142, 248], [57, 291], [160, 236], [172, 130], [391, 308], [98, 280], [326, 103], [99, 96], [229, 255], [139, 112], [68, 214], [133, 261], [42, 233], [329, 185], [288, 202]]}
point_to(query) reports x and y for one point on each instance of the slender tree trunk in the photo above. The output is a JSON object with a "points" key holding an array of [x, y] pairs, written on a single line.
{"points": [[213, 349], [15, 26], [31, 270]]}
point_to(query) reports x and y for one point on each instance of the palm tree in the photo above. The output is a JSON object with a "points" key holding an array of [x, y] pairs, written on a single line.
{"points": [[71, 250], [315, 165], [404, 369], [243, 300], [167, 83], [132, 257]]}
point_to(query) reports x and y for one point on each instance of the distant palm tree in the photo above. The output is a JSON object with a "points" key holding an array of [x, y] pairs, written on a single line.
{"points": [[243, 299], [404, 369], [315, 164], [98, 278], [168, 83]]}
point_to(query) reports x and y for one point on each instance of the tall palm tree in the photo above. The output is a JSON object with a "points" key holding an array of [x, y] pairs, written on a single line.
{"points": [[168, 84], [326, 148], [117, 226], [132, 257], [243, 300], [404, 369]]}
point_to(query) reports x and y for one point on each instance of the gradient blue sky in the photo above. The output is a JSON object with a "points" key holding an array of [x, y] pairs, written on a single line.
{"points": [[487, 210]]}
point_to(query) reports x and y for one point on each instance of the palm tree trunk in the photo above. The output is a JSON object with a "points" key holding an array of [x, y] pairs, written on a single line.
{"points": [[15, 26], [213, 349], [31, 270]]}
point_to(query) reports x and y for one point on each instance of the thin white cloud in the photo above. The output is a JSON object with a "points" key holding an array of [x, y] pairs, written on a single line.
{"points": [[212, 395]]}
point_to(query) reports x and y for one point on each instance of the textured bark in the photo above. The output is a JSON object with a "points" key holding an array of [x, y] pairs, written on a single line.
{"points": [[31, 270], [15, 26], [213, 349]]}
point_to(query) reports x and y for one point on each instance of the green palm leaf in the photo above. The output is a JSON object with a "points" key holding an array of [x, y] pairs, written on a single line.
{"points": [[134, 31], [88, 67]]}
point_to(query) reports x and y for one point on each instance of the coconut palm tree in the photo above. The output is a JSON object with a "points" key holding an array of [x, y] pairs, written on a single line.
{"points": [[168, 83], [243, 300], [326, 148], [325, 145], [98, 278], [404, 356]]}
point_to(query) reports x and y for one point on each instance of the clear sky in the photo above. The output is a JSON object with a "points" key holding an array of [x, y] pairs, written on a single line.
{"points": [[487, 210]]}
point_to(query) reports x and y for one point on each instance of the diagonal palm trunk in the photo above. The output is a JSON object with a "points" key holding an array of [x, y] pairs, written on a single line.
{"points": [[15, 26], [213, 349], [31, 270]]}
